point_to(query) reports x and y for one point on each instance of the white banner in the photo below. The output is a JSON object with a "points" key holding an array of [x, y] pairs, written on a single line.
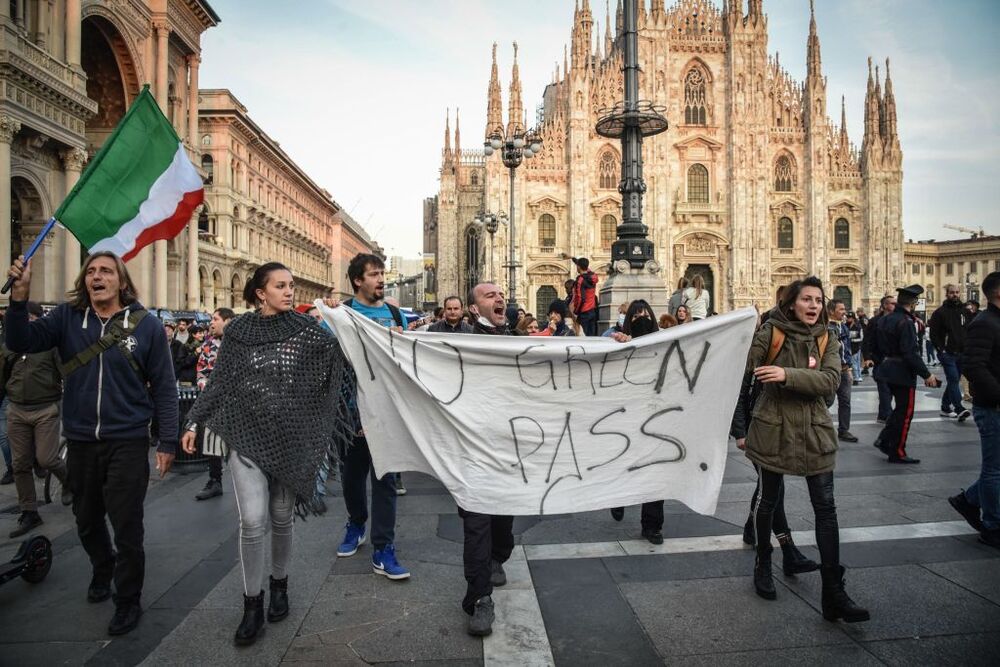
{"points": [[539, 425]]}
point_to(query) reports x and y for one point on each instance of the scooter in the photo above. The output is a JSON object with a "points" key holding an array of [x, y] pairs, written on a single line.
{"points": [[32, 561]]}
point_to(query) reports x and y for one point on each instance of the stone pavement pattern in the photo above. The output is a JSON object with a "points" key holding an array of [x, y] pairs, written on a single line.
{"points": [[584, 590]]}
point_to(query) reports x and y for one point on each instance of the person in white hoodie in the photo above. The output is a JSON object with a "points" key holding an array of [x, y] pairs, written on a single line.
{"points": [[697, 298]]}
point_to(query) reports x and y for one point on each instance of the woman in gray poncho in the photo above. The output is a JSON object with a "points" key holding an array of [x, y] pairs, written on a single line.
{"points": [[274, 400]]}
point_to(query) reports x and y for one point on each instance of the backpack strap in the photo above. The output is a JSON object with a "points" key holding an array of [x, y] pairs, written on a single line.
{"points": [[397, 315], [777, 340], [115, 334], [822, 342]]}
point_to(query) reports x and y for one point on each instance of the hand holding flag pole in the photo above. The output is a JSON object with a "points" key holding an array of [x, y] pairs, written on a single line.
{"points": [[35, 245]]}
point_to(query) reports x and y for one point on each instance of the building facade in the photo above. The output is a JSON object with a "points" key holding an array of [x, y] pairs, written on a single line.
{"points": [[753, 185], [965, 263]]}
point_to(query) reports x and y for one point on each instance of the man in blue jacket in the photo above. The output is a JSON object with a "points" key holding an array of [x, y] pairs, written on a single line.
{"points": [[118, 375]]}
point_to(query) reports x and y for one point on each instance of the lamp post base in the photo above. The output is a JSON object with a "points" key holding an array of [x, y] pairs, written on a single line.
{"points": [[627, 286]]}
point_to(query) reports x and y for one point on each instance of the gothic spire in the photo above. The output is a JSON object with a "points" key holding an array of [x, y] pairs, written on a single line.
{"points": [[607, 29], [843, 116], [890, 137], [458, 137], [447, 136], [871, 145], [813, 62], [494, 105], [881, 105], [514, 105], [619, 21]]}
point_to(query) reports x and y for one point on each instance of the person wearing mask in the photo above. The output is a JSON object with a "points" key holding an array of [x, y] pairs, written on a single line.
{"points": [[791, 434], [207, 356], [110, 398], [980, 503], [34, 389], [451, 319], [682, 314], [697, 299], [947, 326], [558, 325], [677, 298], [640, 320], [366, 274], [488, 539], [857, 334], [872, 360], [619, 324], [896, 346], [277, 424], [584, 305], [836, 311]]}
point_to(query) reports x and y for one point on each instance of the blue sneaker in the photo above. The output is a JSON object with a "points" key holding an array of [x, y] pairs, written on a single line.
{"points": [[354, 537], [384, 562]]}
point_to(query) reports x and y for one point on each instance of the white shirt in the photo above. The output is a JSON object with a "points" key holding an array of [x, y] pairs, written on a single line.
{"points": [[697, 306]]}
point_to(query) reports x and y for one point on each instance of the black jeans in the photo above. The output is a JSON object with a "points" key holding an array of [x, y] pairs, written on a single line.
{"points": [[844, 402], [588, 322], [214, 467], [110, 479], [651, 517], [356, 468], [897, 428], [820, 494], [487, 537], [779, 522], [884, 399]]}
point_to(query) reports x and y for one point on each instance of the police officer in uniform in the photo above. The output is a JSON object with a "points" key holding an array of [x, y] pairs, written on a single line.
{"points": [[896, 344]]}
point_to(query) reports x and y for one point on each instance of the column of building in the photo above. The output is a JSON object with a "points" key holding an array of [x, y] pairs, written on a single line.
{"points": [[73, 161], [160, 247], [9, 127], [193, 289]]}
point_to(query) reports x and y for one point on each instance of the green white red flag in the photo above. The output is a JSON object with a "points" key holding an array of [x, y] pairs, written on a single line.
{"points": [[139, 188]]}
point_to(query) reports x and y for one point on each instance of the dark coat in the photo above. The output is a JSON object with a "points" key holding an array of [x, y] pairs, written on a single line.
{"points": [[948, 327], [442, 326], [981, 359], [896, 346], [791, 431], [32, 379]]}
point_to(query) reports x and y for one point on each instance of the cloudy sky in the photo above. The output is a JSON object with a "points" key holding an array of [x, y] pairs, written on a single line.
{"points": [[356, 91]]}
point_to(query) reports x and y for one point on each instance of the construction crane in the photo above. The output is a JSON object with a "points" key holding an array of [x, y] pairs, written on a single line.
{"points": [[976, 233]]}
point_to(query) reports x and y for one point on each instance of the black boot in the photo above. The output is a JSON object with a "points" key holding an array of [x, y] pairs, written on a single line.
{"points": [[253, 620], [763, 582], [794, 561], [836, 603], [277, 605]]}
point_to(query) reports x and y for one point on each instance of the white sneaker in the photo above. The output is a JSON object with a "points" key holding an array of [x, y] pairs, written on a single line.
{"points": [[949, 415]]}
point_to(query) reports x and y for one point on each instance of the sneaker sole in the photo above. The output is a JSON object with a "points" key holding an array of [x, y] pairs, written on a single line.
{"points": [[345, 554], [394, 577]]}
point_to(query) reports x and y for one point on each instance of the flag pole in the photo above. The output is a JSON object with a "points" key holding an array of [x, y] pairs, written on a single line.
{"points": [[35, 245]]}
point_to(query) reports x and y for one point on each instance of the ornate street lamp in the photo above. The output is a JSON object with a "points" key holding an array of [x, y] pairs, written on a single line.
{"points": [[514, 145], [491, 222]]}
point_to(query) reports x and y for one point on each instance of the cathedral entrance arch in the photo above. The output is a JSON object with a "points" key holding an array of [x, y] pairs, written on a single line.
{"points": [[707, 254], [545, 283], [112, 79], [706, 273]]}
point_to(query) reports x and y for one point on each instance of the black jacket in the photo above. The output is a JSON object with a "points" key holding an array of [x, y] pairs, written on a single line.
{"points": [[185, 357], [32, 379], [896, 347], [481, 326], [948, 327], [868, 348], [442, 326], [981, 359]]}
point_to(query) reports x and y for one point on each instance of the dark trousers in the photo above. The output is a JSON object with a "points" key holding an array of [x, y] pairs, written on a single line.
{"points": [[844, 402], [951, 399], [357, 466], [110, 479], [214, 467], [651, 517], [588, 322], [897, 429], [884, 399], [487, 537], [820, 494], [779, 521]]}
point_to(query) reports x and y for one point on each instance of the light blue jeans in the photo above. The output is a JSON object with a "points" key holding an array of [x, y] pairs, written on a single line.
{"points": [[856, 365], [985, 492]]}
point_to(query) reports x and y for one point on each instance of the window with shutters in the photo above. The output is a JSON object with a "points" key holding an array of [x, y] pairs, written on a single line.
{"points": [[697, 184], [841, 234]]}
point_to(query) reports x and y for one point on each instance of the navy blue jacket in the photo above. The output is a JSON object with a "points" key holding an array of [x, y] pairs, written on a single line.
{"points": [[106, 399], [896, 346]]}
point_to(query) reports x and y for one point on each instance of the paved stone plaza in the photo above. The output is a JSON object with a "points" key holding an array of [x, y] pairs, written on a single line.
{"points": [[583, 589]]}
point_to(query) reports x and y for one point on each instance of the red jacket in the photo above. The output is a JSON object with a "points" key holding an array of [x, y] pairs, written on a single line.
{"points": [[585, 293]]}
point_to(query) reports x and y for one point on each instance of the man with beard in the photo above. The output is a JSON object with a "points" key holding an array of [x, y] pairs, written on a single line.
{"points": [[451, 319], [896, 346], [367, 276], [489, 539], [948, 335]]}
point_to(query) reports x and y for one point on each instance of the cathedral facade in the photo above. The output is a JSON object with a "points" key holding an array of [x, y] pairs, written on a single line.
{"points": [[752, 186]]}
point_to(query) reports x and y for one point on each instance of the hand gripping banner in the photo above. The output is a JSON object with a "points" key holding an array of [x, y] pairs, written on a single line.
{"points": [[539, 425]]}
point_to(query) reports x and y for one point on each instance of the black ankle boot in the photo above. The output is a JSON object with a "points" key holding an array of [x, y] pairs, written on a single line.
{"points": [[763, 582], [277, 604], [794, 561], [749, 534], [253, 620], [836, 603]]}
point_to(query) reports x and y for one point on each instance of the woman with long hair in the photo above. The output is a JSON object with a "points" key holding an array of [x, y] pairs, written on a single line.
{"points": [[640, 320], [527, 326], [274, 398], [791, 433], [682, 314], [697, 298]]}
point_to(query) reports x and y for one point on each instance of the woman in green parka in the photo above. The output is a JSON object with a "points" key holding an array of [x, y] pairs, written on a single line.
{"points": [[791, 433]]}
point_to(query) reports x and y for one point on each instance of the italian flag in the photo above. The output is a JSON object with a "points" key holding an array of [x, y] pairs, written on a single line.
{"points": [[139, 188]]}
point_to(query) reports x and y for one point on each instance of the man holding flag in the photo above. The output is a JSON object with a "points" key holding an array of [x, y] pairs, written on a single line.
{"points": [[118, 374]]}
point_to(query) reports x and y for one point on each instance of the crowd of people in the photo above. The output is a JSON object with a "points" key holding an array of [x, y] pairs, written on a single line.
{"points": [[278, 404]]}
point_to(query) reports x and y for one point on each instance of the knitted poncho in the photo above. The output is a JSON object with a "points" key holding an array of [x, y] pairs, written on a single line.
{"points": [[274, 397]]}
